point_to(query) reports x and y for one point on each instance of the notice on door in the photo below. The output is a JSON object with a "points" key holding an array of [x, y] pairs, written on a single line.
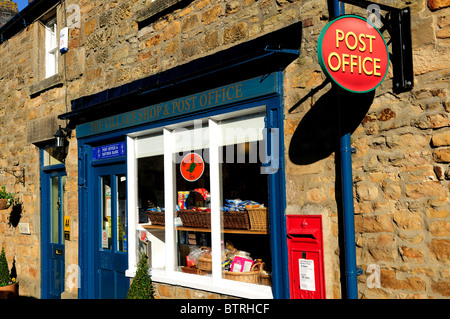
{"points": [[67, 227], [105, 243], [307, 278], [108, 151]]}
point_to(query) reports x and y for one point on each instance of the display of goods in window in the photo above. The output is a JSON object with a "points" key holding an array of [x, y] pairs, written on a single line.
{"points": [[236, 265], [155, 214], [258, 217], [192, 210]]}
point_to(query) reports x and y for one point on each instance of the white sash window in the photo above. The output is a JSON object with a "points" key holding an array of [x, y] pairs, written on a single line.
{"points": [[51, 48]]}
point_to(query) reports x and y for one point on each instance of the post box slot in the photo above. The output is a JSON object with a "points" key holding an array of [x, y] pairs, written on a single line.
{"points": [[305, 236], [309, 233]]}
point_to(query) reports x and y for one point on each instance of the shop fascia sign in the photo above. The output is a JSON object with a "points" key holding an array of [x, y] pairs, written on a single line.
{"points": [[206, 100], [353, 54]]}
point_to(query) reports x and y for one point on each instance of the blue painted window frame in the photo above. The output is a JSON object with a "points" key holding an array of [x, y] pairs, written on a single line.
{"points": [[277, 186]]}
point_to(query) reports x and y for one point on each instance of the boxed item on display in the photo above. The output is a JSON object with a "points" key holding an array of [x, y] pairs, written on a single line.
{"points": [[182, 196]]}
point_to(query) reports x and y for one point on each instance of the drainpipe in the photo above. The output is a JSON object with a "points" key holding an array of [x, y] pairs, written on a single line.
{"points": [[336, 9]]}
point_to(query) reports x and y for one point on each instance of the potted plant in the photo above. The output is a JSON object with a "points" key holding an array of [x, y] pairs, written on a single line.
{"points": [[6, 199], [9, 288], [141, 287]]}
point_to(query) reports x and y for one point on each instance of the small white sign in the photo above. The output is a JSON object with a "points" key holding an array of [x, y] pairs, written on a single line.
{"points": [[307, 278], [24, 228], [64, 40]]}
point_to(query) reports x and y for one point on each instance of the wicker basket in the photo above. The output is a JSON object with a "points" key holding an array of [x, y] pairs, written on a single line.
{"points": [[204, 261], [199, 219], [192, 270], [236, 220], [156, 218], [258, 218], [204, 264], [264, 279], [252, 277]]}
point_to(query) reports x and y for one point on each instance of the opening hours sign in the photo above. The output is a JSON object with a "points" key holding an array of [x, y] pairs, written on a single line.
{"points": [[353, 53]]}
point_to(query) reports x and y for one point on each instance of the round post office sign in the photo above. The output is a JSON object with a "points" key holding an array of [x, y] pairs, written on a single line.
{"points": [[192, 167], [353, 53]]}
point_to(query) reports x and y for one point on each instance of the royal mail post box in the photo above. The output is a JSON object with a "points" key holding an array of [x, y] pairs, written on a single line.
{"points": [[305, 248]]}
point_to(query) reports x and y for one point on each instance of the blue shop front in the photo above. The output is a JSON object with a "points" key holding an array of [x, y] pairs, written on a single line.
{"points": [[187, 167]]}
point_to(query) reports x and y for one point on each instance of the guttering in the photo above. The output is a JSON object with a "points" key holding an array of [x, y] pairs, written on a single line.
{"points": [[351, 272]]}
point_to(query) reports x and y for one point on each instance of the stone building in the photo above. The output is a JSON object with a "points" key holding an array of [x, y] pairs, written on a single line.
{"points": [[138, 73]]}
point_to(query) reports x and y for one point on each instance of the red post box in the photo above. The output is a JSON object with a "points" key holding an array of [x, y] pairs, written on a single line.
{"points": [[305, 246]]}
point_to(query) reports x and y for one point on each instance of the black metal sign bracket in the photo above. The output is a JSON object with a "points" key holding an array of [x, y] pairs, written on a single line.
{"points": [[397, 21]]}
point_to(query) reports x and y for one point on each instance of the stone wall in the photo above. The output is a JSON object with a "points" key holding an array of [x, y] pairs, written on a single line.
{"points": [[164, 291], [400, 169], [28, 119], [8, 9]]}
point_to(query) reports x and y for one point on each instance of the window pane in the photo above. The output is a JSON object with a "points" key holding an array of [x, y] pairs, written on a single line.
{"points": [[151, 207], [246, 249], [53, 156], [62, 203], [51, 48], [106, 212], [121, 213], [194, 213], [151, 145], [55, 204]]}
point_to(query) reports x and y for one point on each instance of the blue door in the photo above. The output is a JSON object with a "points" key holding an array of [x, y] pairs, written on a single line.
{"points": [[52, 216], [110, 227]]}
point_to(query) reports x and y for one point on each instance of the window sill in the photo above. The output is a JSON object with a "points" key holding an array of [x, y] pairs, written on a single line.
{"points": [[46, 84], [221, 286]]}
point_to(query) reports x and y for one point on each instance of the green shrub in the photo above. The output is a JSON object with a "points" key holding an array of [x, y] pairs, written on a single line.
{"points": [[5, 279], [141, 287]]}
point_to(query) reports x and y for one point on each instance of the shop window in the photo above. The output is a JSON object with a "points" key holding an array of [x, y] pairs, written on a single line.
{"points": [[54, 155], [197, 184]]}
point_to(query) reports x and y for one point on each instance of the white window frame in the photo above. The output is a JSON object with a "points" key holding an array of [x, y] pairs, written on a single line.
{"points": [[169, 275], [51, 48]]}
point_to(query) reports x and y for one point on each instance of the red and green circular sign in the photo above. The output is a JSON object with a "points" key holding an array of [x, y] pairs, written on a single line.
{"points": [[353, 53], [192, 167]]}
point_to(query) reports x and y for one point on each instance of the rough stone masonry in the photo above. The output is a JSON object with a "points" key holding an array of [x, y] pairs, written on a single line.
{"points": [[401, 166]]}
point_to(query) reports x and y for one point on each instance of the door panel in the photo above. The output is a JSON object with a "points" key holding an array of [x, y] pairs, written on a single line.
{"points": [[106, 284], [111, 229]]}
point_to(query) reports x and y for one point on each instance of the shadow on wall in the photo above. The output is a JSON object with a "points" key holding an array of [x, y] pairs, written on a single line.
{"points": [[317, 135], [15, 215]]}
